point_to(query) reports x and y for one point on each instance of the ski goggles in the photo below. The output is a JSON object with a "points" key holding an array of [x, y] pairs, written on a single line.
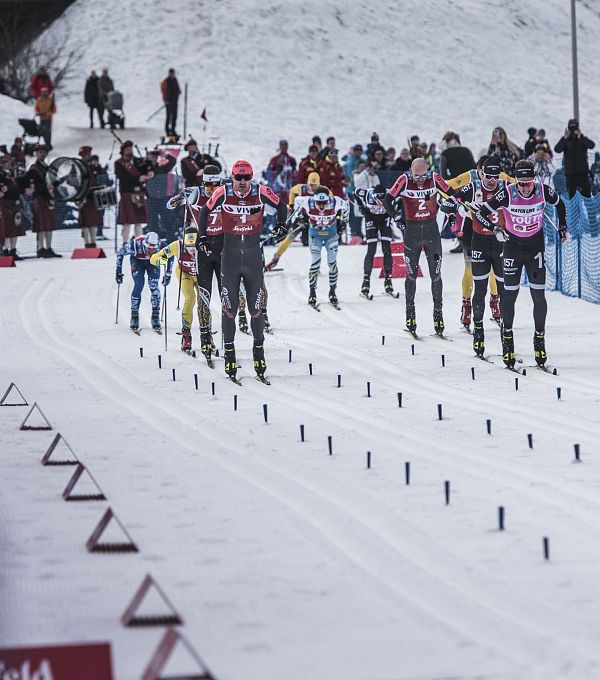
{"points": [[420, 177], [190, 239], [242, 177]]}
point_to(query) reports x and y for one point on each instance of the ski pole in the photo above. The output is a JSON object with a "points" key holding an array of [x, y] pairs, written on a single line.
{"points": [[151, 116], [180, 244], [118, 294], [165, 303]]}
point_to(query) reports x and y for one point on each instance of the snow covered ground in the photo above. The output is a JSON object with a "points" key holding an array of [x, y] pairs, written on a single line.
{"points": [[284, 561]]}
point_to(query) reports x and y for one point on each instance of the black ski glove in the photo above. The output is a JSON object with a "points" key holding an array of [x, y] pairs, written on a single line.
{"points": [[279, 232], [203, 246], [119, 278], [562, 232]]}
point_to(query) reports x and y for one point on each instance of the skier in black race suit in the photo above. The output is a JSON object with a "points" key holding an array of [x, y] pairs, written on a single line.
{"points": [[419, 192], [242, 203], [523, 206]]}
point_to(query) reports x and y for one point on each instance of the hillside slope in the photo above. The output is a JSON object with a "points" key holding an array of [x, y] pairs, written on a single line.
{"points": [[273, 69]]}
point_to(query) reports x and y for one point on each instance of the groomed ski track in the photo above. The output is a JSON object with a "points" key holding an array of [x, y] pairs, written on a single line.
{"points": [[322, 568]]}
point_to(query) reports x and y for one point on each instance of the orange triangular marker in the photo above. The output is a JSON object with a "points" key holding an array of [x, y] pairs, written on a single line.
{"points": [[30, 419], [68, 494], [52, 448], [129, 617], [93, 543], [11, 388], [163, 652]]}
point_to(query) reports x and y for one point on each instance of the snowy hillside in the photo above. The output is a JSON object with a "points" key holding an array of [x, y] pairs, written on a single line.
{"points": [[272, 69]]}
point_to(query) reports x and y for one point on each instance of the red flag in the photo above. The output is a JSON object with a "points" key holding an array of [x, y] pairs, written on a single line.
{"points": [[203, 115]]}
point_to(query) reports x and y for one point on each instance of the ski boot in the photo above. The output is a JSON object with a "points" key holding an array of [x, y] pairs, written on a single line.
{"points": [[539, 348], [134, 322], [243, 322], [155, 320], [508, 349], [186, 340], [411, 320], [478, 339], [333, 300], [312, 297], [230, 363], [388, 286], [465, 314], [258, 354], [438, 322], [267, 322], [207, 346], [366, 287], [495, 307]]}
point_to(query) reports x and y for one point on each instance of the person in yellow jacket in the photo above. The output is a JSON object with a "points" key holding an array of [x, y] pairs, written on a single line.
{"points": [[465, 229], [44, 109], [308, 189], [186, 272]]}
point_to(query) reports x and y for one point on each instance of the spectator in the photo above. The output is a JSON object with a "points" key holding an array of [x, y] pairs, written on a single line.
{"points": [[455, 158], [308, 164], [92, 98], [281, 171], [316, 140], [132, 174], [44, 218], [2, 85], [373, 146], [435, 156], [17, 153], [390, 156], [595, 173], [415, 147], [531, 142], [540, 138], [45, 108], [39, 80], [506, 152], [159, 187], [330, 145], [170, 90], [192, 166], [543, 166], [379, 161], [331, 173], [352, 162], [402, 163], [574, 145], [105, 85], [368, 178], [90, 217]]}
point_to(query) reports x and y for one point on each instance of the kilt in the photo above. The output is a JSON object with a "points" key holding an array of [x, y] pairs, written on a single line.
{"points": [[132, 208], [12, 220], [44, 218], [89, 215]]}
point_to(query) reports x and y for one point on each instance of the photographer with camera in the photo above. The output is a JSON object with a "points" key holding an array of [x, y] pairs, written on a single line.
{"points": [[574, 145]]}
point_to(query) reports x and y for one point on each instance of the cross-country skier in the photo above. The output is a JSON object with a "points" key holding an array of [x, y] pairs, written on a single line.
{"points": [[485, 249], [312, 184], [523, 206], [184, 250], [464, 230], [377, 227], [419, 192], [322, 210], [140, 249], [242, 203]]}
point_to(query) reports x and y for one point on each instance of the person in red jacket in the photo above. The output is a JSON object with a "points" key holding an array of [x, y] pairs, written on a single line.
{"points": [[282, 168], [39, 80], [331, 173], [170, 91], [308, 164]]}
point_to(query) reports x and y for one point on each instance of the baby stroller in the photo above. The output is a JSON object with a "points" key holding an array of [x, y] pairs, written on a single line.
{"points": [[30, 128], [113, 102]]}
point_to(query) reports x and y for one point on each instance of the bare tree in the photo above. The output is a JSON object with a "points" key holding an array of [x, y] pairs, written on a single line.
{"points": [[60, 56]]}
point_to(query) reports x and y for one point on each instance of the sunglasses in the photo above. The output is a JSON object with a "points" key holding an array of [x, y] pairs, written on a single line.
{"points": [[419, 176], [490, 176], [242, 178], [214, 185], [525, 182]]}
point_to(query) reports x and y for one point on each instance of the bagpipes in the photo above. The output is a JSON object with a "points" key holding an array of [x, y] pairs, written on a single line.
{"points": [[141, 161]]}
